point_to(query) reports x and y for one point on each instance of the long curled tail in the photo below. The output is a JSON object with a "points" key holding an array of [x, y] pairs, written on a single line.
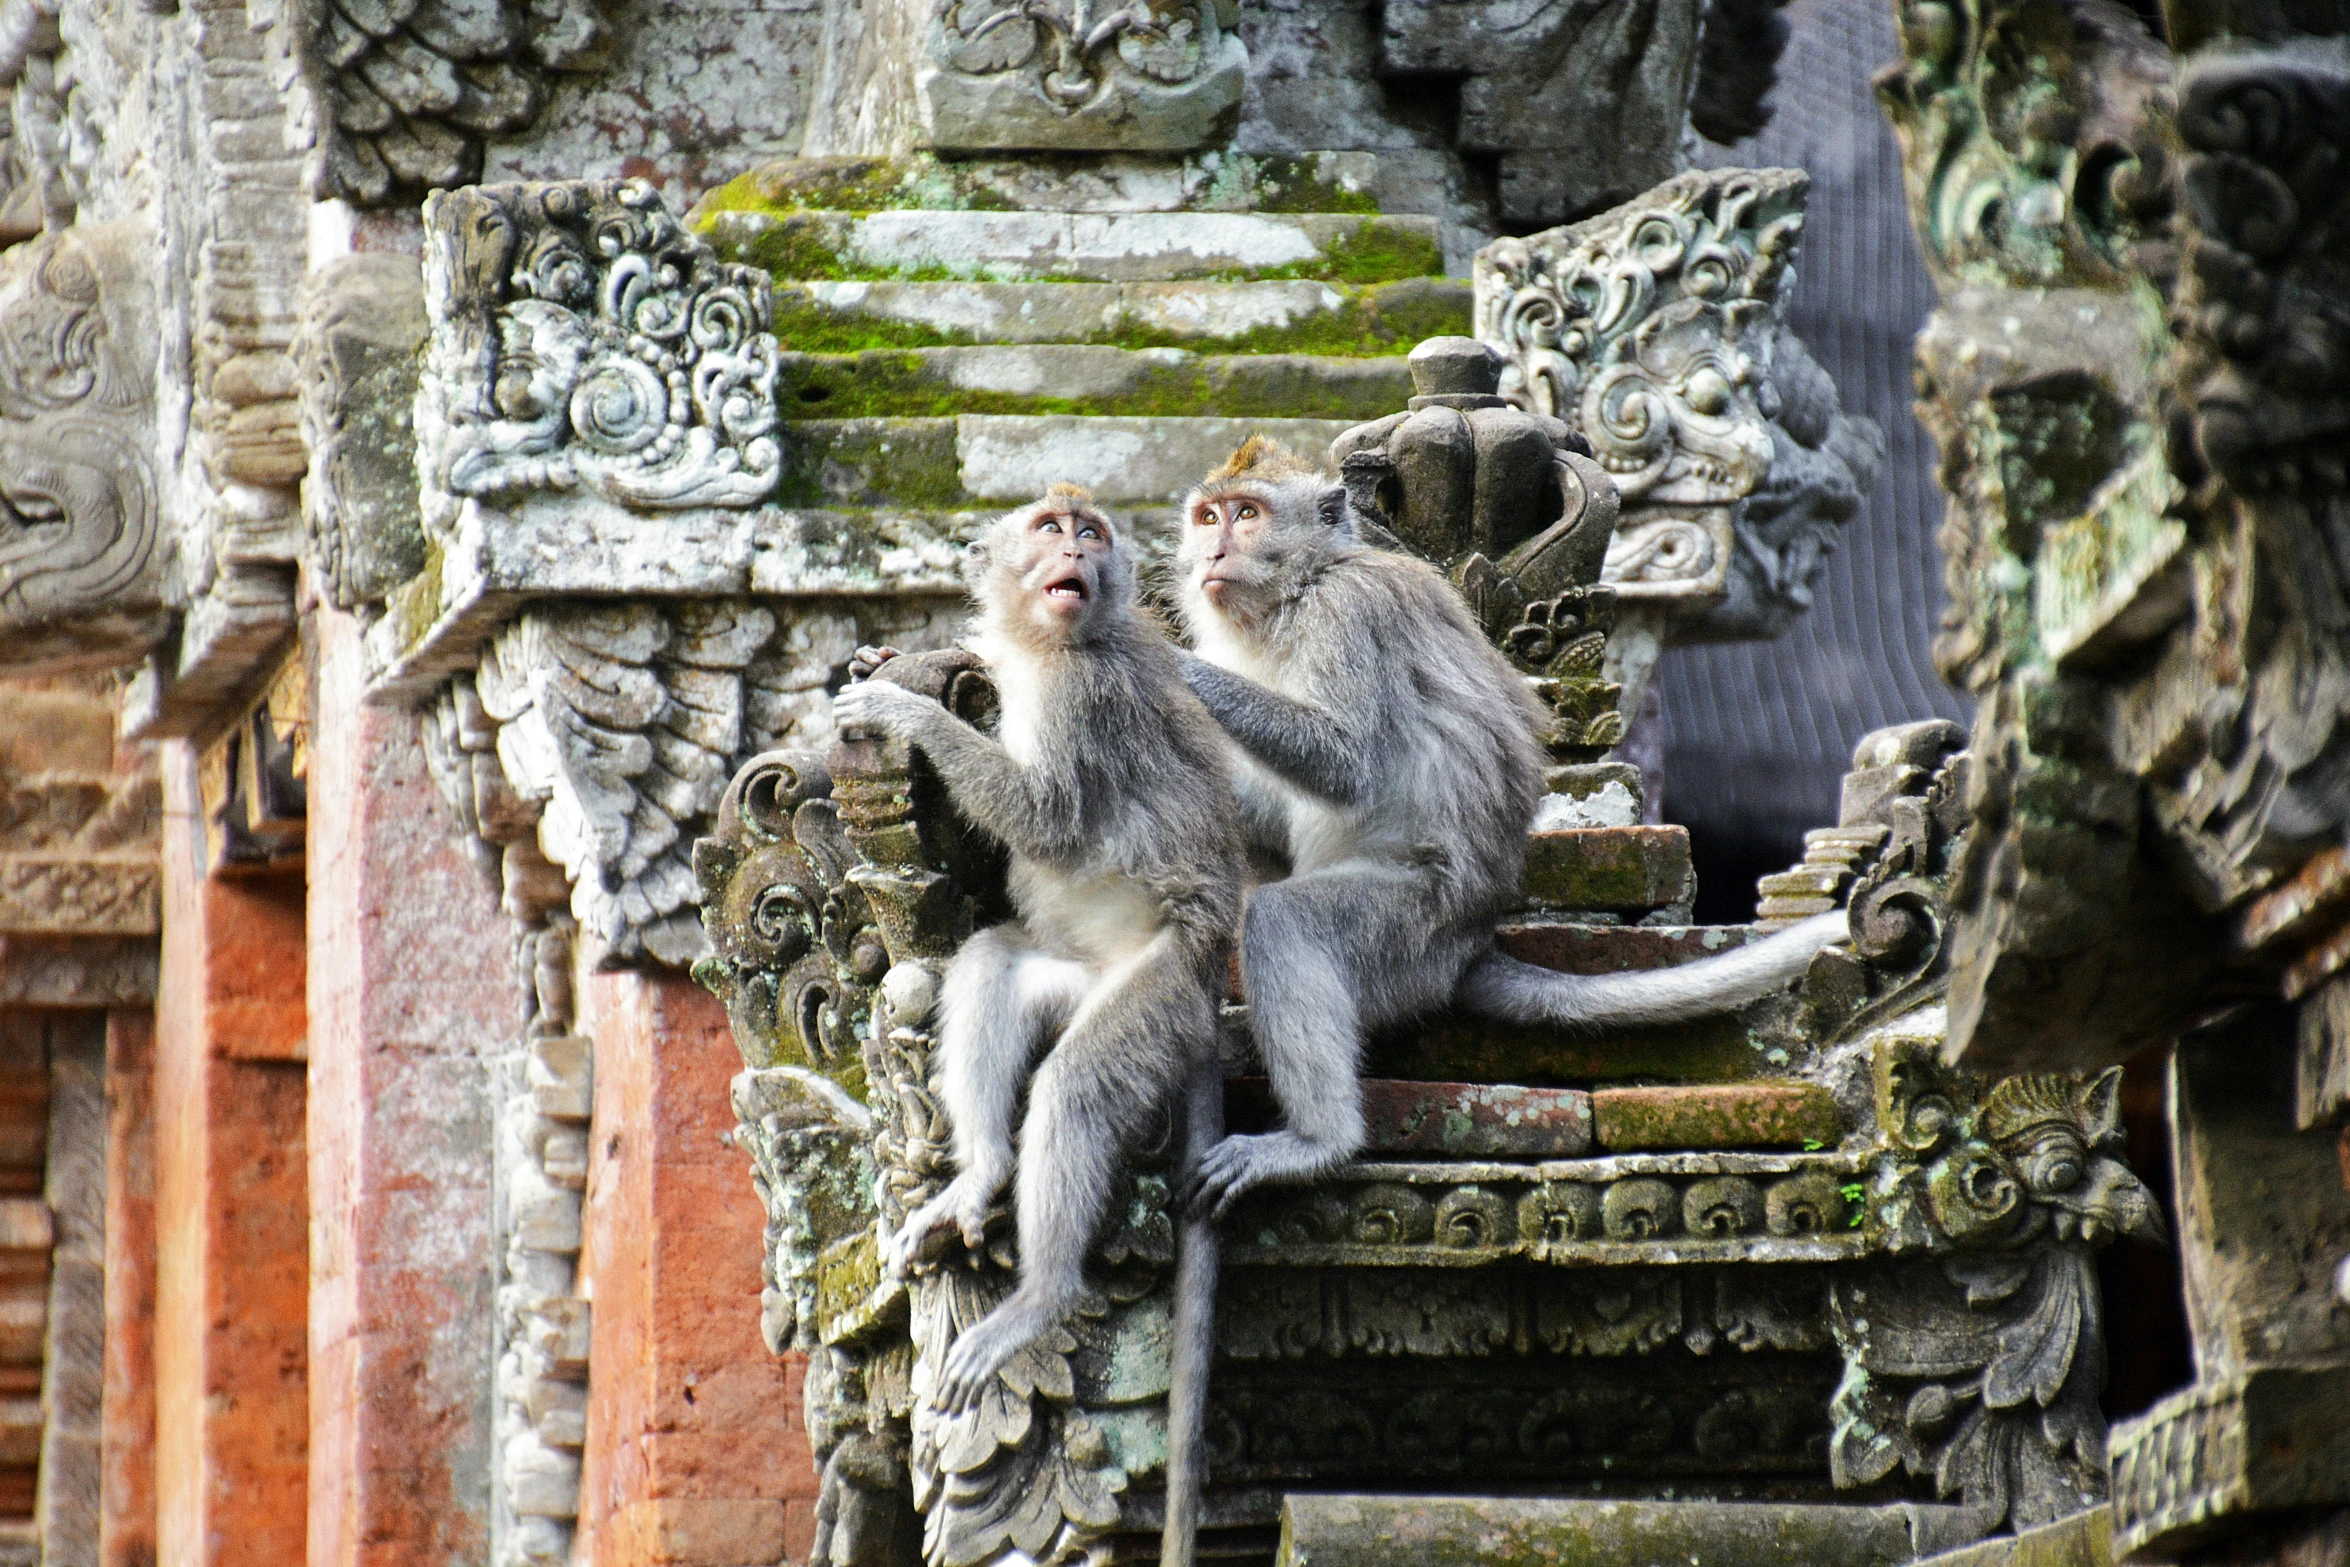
{"points": [[1508, 991], [1195, 1332]]}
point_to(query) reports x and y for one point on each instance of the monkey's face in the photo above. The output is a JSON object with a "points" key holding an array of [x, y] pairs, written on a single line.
{"points": [[1227, 546], [1061, 559]]}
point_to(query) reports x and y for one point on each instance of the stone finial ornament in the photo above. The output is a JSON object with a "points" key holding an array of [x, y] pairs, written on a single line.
{"points": [[1514, 510]]}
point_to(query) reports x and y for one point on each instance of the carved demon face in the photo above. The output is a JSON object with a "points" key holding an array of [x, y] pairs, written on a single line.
{"points": [[2044, 1158]]}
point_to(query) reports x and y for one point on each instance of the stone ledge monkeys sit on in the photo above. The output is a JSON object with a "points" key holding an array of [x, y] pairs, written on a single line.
{"points": [[1106, 780], [1388, 754]]}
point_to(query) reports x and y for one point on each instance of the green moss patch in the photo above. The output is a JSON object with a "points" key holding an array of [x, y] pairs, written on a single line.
{"points": [[909, 463], [907, 384]]}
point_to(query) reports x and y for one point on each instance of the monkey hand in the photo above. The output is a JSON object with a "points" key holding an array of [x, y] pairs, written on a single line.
{"points": [[982, 1348], [877, 707], [964, 1204], [867, 659], [1239, 1163]]}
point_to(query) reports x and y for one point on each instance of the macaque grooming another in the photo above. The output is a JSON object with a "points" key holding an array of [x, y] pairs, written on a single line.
{"points": [[1107, 781], [1388, 753]]}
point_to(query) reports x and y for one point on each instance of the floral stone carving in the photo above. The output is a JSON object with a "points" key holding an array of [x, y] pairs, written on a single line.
{"points": [[1652, 330], [584, 340], [81, 581], [1070, 75]]}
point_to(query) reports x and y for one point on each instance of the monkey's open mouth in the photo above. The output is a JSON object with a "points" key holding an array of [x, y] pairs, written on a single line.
{"points": [[1067, 588]]}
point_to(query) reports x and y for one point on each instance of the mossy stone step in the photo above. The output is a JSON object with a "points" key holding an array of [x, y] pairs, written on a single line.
{"points": [[1298, 316], [988, 461], [1131, 247], [1493, 1531], [1044, 182], [1068, 378]]}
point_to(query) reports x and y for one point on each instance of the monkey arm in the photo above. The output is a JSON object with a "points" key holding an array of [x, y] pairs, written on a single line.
{"points": [[989, 787], [1304, 745]]}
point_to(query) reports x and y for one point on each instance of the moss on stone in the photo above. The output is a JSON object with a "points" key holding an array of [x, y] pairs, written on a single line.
{"points": [[1383, 319], [908, 463], [911, 384], [1714, 1115], [1374, 252]]}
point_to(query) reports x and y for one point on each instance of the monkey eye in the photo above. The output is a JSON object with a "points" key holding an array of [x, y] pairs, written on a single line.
{"points": [[1089, 531], [1048, 525], [1245, 511]]}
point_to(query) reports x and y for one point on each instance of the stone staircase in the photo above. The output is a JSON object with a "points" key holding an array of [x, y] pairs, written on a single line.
{"points": [[959, 335]]}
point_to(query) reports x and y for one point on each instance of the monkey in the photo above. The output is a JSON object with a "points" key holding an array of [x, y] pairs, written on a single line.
{"points": [[1107, 782], [1388, 753]]}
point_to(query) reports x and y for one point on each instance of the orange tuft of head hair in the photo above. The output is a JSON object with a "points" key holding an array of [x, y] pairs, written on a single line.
{"points": [[1068, 494], [1259, 458]]}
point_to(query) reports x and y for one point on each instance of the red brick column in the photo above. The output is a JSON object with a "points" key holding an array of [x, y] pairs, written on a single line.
{"points": [[231, 1208], [696, 1453], [411, 983], [126, 1527]]}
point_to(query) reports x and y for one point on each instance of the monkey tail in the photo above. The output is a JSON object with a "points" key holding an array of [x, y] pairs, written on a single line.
{"points": [[1504, 989], [1195, 1332]]}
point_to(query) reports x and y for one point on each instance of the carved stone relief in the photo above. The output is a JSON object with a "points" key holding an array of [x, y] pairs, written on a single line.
{"points": [[360, 352], [583, 340], [81, 568], [1064, 75], [1653, 331]]}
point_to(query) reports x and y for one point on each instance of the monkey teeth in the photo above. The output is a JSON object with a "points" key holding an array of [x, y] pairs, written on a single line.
{"points": [[1071, 589]]}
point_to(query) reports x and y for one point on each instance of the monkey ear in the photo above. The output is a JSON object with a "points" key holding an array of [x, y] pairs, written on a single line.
{"points": [[1331, 506]]}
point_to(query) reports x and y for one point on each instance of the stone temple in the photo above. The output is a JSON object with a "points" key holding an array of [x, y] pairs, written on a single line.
{"points": [[467, 1019]]}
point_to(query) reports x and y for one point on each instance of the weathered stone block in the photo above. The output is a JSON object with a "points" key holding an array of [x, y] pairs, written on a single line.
{"points": [[1742, 1115], [2265, 1440], [1462, 1120], [561, 1075], [1430, 1531], [1618, 870]]}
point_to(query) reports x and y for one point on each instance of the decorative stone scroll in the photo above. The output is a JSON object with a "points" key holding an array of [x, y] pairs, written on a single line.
{"points": [[1652, 330], [1071, 75], [583, 340], [81, 578]]}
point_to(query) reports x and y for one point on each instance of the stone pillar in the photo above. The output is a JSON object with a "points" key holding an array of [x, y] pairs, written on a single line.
{"points": [[696, 1452], [232, 1206], [126, 1530], [411, 982]]}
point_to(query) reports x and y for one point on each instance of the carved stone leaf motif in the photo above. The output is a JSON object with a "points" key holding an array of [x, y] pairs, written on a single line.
{"points": [[1157, 75], [626, 723], [584, 340], [408, 90]]}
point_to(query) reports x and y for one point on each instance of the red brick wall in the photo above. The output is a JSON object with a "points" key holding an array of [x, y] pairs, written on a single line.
{"points": [[231, 1208], [126, 1532], [696, 1453], [411, 981]]}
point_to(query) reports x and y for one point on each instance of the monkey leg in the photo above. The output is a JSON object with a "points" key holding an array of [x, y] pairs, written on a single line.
{"points": [[1323, 957], [1004, 999], [1119, 1065]]}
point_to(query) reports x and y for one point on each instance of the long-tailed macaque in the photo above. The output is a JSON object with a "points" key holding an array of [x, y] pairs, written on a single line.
{"points": [[1388, 754], [1106, 780]]}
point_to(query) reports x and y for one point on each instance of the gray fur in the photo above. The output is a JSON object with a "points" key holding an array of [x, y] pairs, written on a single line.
{"points": [[1106, 779], [1389, 757]]}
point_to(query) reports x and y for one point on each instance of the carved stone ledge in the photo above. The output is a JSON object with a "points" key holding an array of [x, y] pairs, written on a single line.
{"points": [[2203, 1462], [77, 971], [360, 353]]}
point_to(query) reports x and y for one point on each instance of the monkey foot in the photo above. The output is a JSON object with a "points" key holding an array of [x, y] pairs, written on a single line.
{"points": [[1236, 1164], [984, 1347], [963, 1204]]}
